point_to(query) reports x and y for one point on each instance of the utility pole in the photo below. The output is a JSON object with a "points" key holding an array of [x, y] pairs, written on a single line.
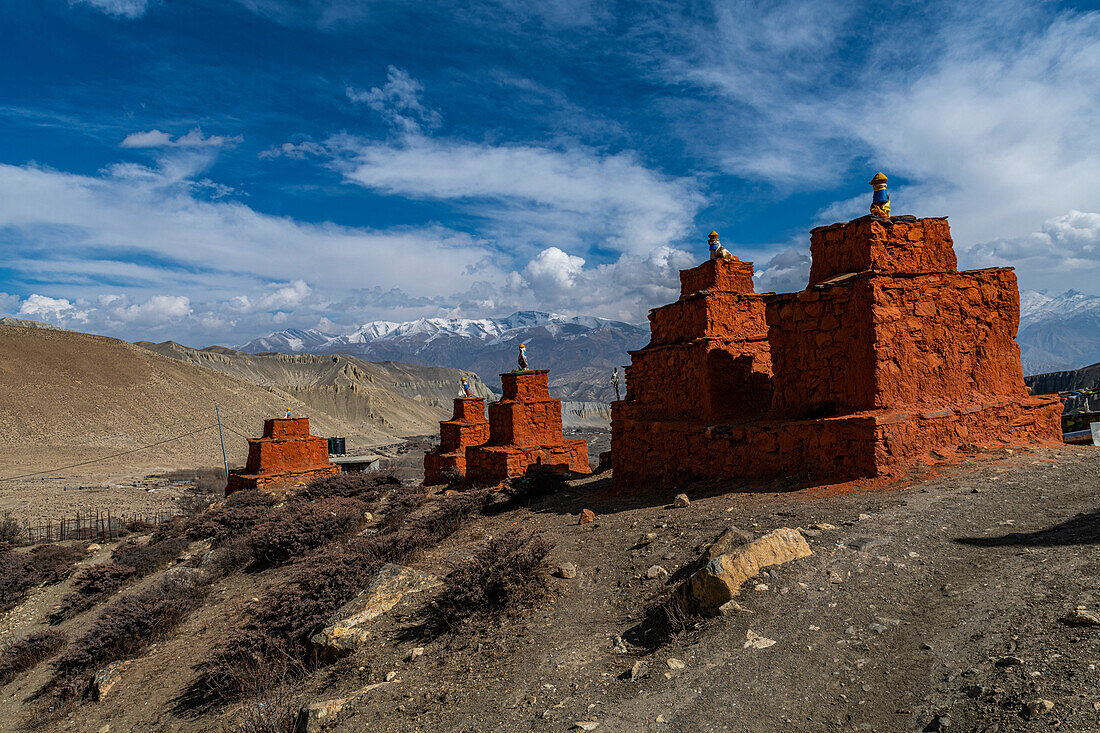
{"points": [[225, 460]]}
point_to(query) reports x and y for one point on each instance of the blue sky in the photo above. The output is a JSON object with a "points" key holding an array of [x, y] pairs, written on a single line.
{"points": [[212, 170]]}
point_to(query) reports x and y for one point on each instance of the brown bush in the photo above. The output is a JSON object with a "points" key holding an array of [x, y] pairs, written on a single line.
{"points": [[20, 655], [367, 487], [506, 575], [123, 630], [301, 526], [11, 530], [92, 585], [146, 559], [234, 517], [278, 627], [42, 565]]}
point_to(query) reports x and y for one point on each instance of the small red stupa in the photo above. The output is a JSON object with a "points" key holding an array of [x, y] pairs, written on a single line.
{"points": [[285, 457]]}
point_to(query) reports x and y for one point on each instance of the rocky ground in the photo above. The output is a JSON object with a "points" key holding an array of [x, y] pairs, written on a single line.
{"points": [[936, 604]]}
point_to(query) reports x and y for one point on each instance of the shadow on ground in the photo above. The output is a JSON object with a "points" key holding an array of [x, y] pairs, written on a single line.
{"points": [[1083, 529]]}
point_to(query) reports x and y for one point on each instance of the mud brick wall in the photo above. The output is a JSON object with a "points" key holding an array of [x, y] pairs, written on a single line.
{"points": [[286, 427], [822, 350], [466, 427], [469, 410], [717, 275], [946, 338], [707, 380], [287, 454], [493, 464], [525, 424], [716, 314], [528, 386], [921, 245]]}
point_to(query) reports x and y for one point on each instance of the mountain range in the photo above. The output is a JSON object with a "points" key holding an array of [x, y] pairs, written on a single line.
{"points": [[1057, 332], [579, 351]]}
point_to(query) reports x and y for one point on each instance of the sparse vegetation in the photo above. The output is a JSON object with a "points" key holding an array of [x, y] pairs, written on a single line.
{"points": [[234, 517], [11, 531], [301, 526], [507, 574], [124, 629], [278, 627], [19, 655], [129, 562], [42, 565]]}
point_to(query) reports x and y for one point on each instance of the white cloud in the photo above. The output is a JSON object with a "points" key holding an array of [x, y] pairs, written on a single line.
{"points": [[1067, 249], [296, 151], [51, 309], [192, 139], [130, 9], [398, 102], [571, 196]]}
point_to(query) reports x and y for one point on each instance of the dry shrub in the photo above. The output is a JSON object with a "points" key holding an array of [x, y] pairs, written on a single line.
{"points": [[363, 486], [301, 526], [508, 574], [42, 565], [229, 557], [232, 518], [130, 561], [146, 559], [123, 630], [278, 627], [11, 530], [24, 654], [93, 584], [538, 482]]}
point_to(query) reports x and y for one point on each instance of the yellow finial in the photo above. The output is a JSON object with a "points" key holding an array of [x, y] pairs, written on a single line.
{"points": [[879, 178]]}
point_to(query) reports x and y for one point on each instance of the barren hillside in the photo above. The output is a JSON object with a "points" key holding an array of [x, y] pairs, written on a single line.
{"points": [[67, 397], [404, 399]]}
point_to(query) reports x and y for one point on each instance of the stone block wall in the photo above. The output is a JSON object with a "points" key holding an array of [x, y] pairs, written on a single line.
{"points": [[889, 354], [285, 457], [903, 245], [525, 429], [732, 276], [467, 427]]}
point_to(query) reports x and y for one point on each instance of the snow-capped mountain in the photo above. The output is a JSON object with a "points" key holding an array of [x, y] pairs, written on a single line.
{"points": [[580, 351], [290, 341], [1058, 332]]}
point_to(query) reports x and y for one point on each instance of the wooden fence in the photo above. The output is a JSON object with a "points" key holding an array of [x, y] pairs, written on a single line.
{"points": [[101, 526]]}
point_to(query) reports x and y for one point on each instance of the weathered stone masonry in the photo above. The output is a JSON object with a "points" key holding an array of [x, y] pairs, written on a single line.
{"points": [[525, 429], [889, 353], [285, 457], [467, 427]]}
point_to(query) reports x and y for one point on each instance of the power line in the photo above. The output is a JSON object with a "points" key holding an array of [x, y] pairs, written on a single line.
{"points": [[115, 455]]}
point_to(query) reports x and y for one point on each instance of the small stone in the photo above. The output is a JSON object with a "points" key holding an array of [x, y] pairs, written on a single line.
{"points": [[727, 542], [761, 587], [938, 723], [638, 671], [105, 729], [655, 572], [1008, 662], [367, 516], [662, 719], [1081, 617], [730, 608], [974, 691], [756, 641], [617, 645], [877, 628], [417, 652], [1038, 707], [586, 724], [93, 548], [864, 517], [681, 501], [674, 663], [822, 526], [566, 570], [391, 676], [587, 516]]}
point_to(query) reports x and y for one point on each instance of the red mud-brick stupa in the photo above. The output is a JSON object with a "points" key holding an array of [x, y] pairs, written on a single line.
{"points": [[888, 354], [285, 457], [467, 427], [524, 430]]}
